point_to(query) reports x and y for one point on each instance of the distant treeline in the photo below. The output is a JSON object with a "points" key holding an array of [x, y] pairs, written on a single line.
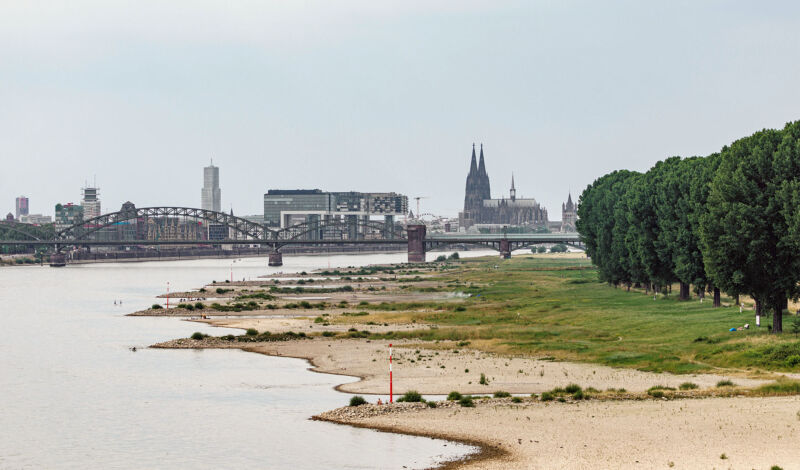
{"points": [[728, 221]]}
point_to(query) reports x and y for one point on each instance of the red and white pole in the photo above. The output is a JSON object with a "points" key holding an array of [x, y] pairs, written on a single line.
{"points": [[391, 397], [167, 295]]}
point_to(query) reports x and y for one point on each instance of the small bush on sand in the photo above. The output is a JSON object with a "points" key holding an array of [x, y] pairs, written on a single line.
{"points": [[454, 396], [579, 395], [466, 402], [572, 388], [655, 393], [516, 400], [501, 394], [431, 404], [156, 307], [725, 383], [197, 335], [198, 305], [357, 400], [483, 380], [688, 386], [546, 396], [251, 332], [411, 396], [328, 334]]}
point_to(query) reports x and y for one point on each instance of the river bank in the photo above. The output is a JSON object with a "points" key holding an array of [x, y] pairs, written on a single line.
{"points": [[623, 424]]}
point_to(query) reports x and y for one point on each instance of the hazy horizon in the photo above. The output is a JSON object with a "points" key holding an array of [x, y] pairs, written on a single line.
{"points": [[376, 96]]}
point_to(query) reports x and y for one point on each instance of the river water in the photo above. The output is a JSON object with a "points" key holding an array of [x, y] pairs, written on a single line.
{"points": [[74, 394]]}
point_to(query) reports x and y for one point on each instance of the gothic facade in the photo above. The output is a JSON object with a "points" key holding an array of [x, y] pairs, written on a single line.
{"points": [[569, 215], [481, 209]]}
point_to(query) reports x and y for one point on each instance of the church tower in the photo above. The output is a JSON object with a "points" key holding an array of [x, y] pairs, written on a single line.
{"points": [[513, 192], [569, 215]]}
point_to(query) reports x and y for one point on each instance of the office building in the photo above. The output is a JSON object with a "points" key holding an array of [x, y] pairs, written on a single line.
{"points": [[22, 207], [211, 195]]}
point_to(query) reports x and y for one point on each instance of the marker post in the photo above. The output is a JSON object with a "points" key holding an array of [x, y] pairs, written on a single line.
{"points": [[391, 397], [167, 295]]}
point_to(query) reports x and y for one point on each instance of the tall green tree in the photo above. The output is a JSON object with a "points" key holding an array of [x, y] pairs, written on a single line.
{"points": [[745, 233]]}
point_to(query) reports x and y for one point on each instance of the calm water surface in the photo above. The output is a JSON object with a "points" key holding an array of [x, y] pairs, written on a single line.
{"points": [[75, 396]]}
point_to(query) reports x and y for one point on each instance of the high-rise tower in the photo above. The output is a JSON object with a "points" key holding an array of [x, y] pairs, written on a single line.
{"points": [[90, 201], [211, 195], [22, 206]]}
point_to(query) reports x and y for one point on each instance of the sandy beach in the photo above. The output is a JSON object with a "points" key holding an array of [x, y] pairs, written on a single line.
{"points": [[614, 429]]}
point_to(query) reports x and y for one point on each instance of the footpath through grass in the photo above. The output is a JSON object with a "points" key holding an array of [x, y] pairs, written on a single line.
{"points": [[554, 306]]}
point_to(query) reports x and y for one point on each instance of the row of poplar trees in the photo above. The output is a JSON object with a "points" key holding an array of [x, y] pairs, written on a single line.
{"points": [[728, 221]]}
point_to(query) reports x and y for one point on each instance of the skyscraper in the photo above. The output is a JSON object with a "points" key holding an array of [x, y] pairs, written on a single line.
{"points": [[90, 202], [211, 195], [22, 206]]}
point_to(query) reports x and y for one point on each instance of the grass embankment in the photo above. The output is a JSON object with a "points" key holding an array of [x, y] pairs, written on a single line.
{"points": [[556, 307]]}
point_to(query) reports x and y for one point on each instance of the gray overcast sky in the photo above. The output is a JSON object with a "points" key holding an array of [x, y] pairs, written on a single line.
{"points": [[376, 95]]}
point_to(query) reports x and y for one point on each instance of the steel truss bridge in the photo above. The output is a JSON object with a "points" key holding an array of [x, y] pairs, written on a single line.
{"points": [[116, 228]]}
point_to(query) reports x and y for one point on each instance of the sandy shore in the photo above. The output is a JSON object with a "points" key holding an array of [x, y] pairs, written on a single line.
{"points": [[440, 371], [748, 432]]}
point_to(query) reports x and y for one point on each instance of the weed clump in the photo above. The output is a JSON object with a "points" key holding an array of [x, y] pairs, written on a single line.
{"points": [[501, 394], [483, 380], [156, 307], [357, 400], [466, 402], [251, 332], [546, 396], [454, 396], [725, 383], [687, 386], [198, 336], [411, 396]]}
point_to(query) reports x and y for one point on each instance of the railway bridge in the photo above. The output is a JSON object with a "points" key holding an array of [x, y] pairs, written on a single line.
{"points": [[142, 227]]}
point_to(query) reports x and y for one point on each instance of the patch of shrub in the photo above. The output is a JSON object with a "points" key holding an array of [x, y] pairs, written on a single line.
{"points": [[198, 336], [357, 400], [546, 396], [501, 394], [579, 395], [655, 393], [411, 396], [725, 383], [466, 402], [516, 400], [251, 332], [454, 396], [431, 404], [483, 380], [156, 307], [687, 386], [460, 308], [573, 388], [220, 290], [328, 334], [199, 305]]}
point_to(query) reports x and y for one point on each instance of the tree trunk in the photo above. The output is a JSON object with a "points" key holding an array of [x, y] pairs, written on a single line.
{"points": [[637, 285], [777, 320], [684, 292], [717, 300], [647, 288], [737, 301], [628, 285]]}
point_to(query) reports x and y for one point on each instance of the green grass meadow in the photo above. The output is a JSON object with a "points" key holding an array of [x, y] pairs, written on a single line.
{"points": [[555, 306]]}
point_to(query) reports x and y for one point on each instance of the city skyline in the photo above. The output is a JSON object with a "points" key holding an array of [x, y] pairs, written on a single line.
{"points": [[388, 97]]}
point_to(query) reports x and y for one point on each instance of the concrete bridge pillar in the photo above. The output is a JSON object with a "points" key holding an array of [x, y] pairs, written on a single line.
{"points": [[58, 260], [275, 258], [416, 243], [505, 248]]}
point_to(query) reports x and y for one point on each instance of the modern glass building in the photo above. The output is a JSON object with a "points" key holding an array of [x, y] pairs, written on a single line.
{"points": [[211, 195], [284, 208]]}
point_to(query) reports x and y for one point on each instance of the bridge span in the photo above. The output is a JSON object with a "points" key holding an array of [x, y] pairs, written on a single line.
{"points": [[124, 229]]}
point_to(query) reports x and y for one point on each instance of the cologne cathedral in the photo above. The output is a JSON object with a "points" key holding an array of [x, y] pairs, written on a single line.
{"points": [[481, 209]]}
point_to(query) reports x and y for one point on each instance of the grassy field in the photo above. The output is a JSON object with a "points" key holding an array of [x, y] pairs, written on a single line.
{"points": [[554, 306]]}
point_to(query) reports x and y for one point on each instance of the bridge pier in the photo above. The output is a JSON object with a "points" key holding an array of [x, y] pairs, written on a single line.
{"points": [[416, 243], [275, 258], [505, 248], [58, 260]]}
